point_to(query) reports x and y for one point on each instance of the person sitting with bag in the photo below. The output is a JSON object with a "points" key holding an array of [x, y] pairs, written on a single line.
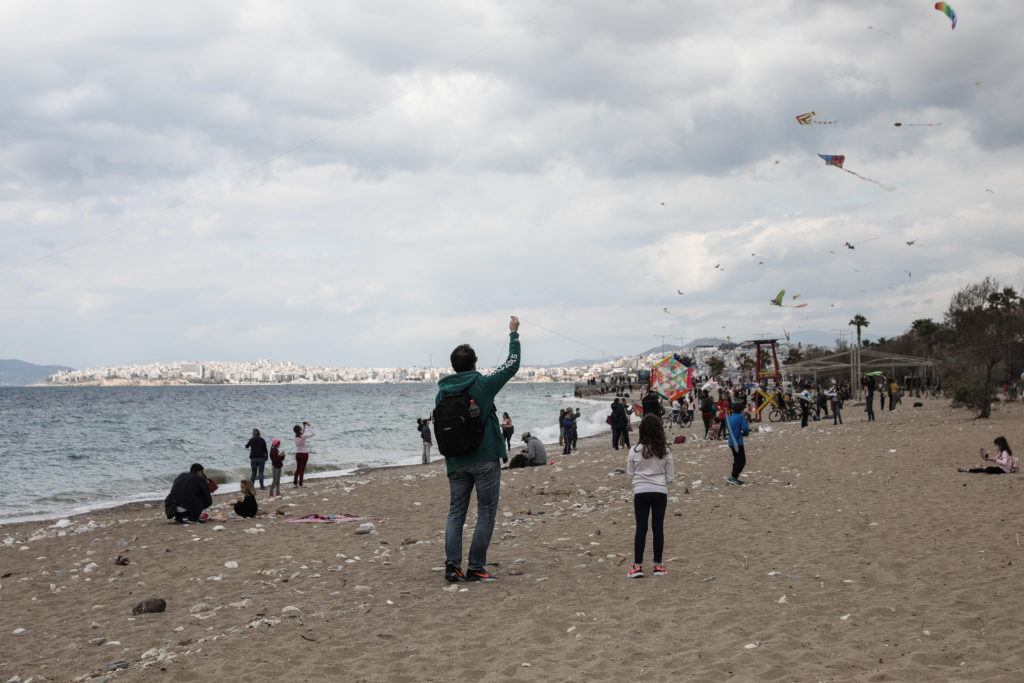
{"points": [[534, 455]]}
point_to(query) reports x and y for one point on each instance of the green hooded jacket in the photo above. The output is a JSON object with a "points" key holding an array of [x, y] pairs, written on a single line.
{"points": [[483, 389]]}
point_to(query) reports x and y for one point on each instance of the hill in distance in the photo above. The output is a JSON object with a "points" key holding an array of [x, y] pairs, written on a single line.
{"points": [[19, 373]]}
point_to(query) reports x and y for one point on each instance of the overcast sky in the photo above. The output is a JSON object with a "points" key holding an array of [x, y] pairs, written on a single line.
{"points": [[372, 183]]}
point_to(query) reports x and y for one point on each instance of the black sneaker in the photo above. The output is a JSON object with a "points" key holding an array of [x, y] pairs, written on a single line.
{"points": [[453, 573], [480, 575]]}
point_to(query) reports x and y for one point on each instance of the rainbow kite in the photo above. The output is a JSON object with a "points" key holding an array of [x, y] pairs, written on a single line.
{"points": [[838, 160], [948, 11], [806, 120]]}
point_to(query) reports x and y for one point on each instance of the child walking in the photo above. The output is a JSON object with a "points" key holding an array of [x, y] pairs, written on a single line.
{"points": [[276, 465], [651, 470], [736, 424], [246, 506]]}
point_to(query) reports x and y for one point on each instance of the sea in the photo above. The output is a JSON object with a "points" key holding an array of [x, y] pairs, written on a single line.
{"points": [[69, 450]]}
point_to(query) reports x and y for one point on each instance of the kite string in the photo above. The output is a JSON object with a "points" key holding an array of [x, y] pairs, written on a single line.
{"points": [[559, 334], [884, 187]]}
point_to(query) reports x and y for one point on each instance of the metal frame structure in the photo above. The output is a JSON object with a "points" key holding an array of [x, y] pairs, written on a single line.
{"points": [[859, 361]]}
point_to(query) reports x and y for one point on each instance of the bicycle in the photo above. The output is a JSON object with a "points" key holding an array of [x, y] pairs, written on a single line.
{"points": [[787, 414]]}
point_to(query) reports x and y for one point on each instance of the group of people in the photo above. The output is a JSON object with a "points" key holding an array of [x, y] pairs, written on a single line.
{"points": [[258, 456], [567, 432], [192, 492]]}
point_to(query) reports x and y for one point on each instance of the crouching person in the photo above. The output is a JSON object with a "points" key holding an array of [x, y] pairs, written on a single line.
{"points": [[189, 496]]}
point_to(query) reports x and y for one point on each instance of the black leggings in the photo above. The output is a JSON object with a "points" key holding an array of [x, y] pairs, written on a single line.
{"points": [[652, 504], [986, 470], [739, 460], [507, 433], [707, 422]]}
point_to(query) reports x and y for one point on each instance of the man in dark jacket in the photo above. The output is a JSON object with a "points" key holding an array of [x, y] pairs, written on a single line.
{"points": [[620, 423], [480, 468], [189, 496]]}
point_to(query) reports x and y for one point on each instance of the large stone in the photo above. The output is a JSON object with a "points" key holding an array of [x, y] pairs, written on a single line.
{"points": [[149, 606]]}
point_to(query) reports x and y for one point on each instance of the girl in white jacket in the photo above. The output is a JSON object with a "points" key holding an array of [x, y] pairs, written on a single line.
{"points": [[650, 469]]}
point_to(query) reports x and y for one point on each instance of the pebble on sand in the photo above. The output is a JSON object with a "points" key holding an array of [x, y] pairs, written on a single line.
{"points": [[149, 606]]}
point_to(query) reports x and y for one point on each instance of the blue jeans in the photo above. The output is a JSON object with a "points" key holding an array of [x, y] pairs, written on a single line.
{"points": [[486, 477], [257, 465]]}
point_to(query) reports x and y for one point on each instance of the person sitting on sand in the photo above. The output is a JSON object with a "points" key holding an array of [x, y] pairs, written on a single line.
{"points": [[189, 496], [1005, 463], [534, 456], [246, 506]]}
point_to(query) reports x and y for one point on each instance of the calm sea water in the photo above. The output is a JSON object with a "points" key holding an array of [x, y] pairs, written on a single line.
{"points": [[71, 449]]}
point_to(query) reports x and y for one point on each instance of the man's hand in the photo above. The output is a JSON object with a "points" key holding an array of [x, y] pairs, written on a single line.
{"points": [[513, 324]]}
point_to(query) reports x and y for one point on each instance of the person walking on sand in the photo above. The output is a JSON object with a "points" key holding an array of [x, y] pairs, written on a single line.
{"points": [[276, 465], [257, 456], [837, 403], [650, 469], [568, 425], [619, 422], [736, 425], [301, 451], [424, 427], [507, 430], [707, 411], [472, 466], [1005, 462], [869, 396]]}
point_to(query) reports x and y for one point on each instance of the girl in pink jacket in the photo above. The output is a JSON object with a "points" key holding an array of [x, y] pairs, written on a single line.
{"points": [[1005, 462]]}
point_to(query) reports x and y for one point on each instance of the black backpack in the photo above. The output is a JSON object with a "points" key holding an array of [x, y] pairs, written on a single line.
{"points": [[458, 426]]}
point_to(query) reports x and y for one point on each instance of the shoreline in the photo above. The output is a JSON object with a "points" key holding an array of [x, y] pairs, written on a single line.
{"points": [[853, 552]]}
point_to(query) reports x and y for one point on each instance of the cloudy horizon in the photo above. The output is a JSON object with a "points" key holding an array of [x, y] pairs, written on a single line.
{"points": [[347, 184]]}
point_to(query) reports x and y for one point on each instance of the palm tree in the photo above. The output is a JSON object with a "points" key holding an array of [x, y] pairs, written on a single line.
{"points": [[859, 321]]}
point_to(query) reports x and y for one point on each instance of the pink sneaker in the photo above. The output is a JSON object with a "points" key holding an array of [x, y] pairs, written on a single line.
{"points": [[636, 572]]}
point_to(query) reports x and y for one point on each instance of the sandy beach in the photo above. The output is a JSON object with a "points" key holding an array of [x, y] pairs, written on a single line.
{"points": [[854, 553]]}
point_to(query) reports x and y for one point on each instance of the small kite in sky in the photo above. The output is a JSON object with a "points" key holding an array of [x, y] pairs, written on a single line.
{"points": [[777, 301], [667, 311], [848, 245], [785, 333], [908, 273], [911, 243], [679, 291], [989, 191], [806, 120], [718, 266], [898, 124], [948, 11], [838, 160]]}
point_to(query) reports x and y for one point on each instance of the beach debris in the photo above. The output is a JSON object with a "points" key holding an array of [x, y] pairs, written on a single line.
{"points": [[526, 665], [90, 567], [118, 664], [60, 524], [782, 600], [846, 616], [122, 561], [750, 646], [219, 527], [17, 631], [231, 564], [290, 611], [199, 607], [150, 606], [451, 588]]}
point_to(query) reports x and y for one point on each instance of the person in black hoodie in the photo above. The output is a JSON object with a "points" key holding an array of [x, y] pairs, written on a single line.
{"points": [[189, 496], [246, 506], [257, 457]]}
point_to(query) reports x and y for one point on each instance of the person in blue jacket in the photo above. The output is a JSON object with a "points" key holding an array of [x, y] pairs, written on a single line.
{"points": [[479, 469], [736, 423]]}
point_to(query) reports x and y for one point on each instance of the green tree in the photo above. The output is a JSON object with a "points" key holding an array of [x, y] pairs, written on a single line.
{"points": [[794, 356], [983, 320], [858, 321], [716, 365]]}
